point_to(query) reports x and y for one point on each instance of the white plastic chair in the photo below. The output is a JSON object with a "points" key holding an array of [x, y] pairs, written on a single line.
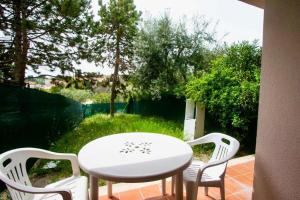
{"points": [[13, 173], [212, 173]]}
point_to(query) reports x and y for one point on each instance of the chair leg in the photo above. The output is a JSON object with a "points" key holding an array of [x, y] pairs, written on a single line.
{"points": [[222, 190], [206, 191], [191, 191], [163, 187], [173, 183], [109, 189]]}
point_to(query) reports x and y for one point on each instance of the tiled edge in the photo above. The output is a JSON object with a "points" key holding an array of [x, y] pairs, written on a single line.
{"points": [[241, 160], [122, 187]]}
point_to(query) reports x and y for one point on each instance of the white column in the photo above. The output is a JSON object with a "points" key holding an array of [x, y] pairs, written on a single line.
{"points": [[189, 121], [200, 119], [277, 158], [189, 109]]}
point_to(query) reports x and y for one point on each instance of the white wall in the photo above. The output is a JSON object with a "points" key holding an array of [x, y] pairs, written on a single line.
{"points": [[277, 159]]}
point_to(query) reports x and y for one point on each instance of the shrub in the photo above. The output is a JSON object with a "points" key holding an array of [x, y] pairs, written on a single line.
{"points": [[101, 98], [84, 95], [76, 94], [105, 98], [230, 89]]}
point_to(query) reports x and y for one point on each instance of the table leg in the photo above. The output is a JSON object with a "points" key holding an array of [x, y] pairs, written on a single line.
{"points": [[173, 183], [93, 188], [163, 187], [179, 186], [109, 189]]}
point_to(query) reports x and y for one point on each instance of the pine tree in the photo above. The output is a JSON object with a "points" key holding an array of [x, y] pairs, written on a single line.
{"points": [[115, 34], [41, 33]]}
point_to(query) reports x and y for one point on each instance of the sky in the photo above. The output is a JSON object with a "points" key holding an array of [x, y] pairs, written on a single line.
{"points": [[236, 20]]}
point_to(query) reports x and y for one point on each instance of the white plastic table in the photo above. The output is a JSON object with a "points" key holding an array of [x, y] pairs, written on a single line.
{"points": [[135, 157]]}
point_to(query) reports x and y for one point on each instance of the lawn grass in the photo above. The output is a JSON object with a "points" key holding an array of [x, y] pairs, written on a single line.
{"points": [[98, 126], [102, 125]]}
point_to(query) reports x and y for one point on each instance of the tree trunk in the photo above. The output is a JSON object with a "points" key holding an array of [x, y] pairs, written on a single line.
{"points": [[21, 42], [115, 78]]}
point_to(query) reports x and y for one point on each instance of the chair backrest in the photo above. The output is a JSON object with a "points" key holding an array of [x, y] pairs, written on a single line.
{"points": [[13, 167], [225, 146]]}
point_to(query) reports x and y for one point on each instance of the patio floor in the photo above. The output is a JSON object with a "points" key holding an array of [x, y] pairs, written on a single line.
{"points": [[238, 186]]}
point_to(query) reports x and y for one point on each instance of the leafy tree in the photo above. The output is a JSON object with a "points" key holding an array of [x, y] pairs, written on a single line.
{"points": [[204, 45], [230, 89], [154, 74], [115, 34], [168, 55], [41, 33]]}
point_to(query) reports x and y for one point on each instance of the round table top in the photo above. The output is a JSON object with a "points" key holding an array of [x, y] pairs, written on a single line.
{"points": [[134, 157]]}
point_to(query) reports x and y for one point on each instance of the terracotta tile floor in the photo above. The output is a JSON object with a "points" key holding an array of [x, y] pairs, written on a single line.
{"points": [[238, 186]]}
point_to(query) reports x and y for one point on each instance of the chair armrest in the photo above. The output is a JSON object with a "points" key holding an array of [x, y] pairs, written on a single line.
{"points": [[206, 166], [65, 193], [201, 140], [213, 163], [44, 154]]}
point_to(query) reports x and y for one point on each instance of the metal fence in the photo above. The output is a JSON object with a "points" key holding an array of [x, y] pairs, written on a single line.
{"points": [[34, 118], [168, 107]]}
